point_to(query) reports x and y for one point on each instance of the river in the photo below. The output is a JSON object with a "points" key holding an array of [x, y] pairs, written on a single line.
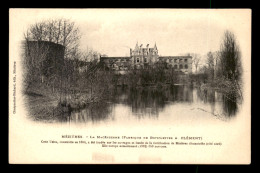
{"points": [[177, 104]]}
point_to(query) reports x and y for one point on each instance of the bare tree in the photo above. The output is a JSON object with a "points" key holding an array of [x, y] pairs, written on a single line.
{"points": [[60, 31], [196, 61], [210, 60]]}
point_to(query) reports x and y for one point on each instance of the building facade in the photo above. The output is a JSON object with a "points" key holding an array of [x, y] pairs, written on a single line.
{"points": [[178, 63], [144, 57], [116, 63]]}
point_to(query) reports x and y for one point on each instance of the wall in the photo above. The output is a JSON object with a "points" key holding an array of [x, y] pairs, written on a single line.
{"points": [[50, 55], [179, 63]]}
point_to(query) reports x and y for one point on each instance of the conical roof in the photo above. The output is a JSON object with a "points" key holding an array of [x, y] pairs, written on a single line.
{"points": [[136, 46], [155, 47]]}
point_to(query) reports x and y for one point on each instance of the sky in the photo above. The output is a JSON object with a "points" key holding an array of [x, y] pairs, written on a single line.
{"points": [[175, 31]]}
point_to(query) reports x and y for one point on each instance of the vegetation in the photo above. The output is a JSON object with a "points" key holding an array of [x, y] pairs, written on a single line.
{"points": [[59, 78], [223, 69]]}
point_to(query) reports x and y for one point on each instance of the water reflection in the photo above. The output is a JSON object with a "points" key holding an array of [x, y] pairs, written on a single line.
{"points": [[92, 113], [151, 102], [229, 103]]}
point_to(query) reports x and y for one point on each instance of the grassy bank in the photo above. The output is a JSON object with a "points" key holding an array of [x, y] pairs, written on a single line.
{"points": [[43, 107], [47, 105]]}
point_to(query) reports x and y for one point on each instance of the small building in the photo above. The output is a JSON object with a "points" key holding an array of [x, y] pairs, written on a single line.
{"points": [[116, 63]]}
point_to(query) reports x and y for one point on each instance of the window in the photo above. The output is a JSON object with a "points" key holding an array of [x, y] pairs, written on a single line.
{"points": [[175, 60], [185, 60], [137, 60], [181, 66], [186, 66], [145, 59], [175, 66], [180, 60]]}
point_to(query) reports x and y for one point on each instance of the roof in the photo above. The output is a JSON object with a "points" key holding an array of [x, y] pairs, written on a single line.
{"points": [[175, 57], [115, 57], [42, 42], [144, 49], [143, 46]]}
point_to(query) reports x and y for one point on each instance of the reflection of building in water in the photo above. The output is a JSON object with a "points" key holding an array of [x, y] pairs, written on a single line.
{"points": [[145, 103], [149, 103], [182, 94], [143, 57], [187, 94]]}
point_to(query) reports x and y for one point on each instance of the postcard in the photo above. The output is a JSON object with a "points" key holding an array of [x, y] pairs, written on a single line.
{"points": [[129, 86]]}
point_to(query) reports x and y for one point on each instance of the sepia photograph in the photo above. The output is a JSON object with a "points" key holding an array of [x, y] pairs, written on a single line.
{"points": [[130, 86]]}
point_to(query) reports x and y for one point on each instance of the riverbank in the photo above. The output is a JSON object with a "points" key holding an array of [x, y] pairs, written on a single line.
{"points": [[42, 107], [231, 89], [47, 106]]}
